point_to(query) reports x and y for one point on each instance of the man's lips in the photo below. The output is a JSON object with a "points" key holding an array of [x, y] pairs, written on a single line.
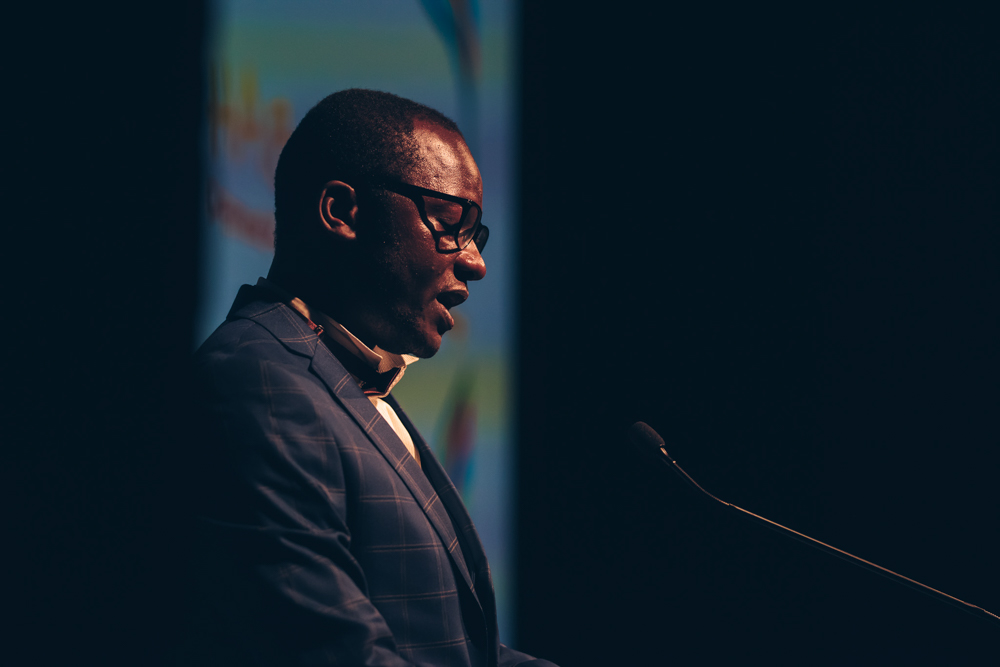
{"points": [[449, 321], [449, 300], [452, 298]]}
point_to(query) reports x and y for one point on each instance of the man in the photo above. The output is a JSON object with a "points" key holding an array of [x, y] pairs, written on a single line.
{"points": [[328, 533]]}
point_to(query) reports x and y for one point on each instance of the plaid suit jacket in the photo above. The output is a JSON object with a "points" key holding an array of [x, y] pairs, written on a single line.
{"points": [[321, 541]]}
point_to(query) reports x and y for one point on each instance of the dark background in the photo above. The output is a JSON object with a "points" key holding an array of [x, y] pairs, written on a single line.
{"points": [[103, 212], [771, 236]]}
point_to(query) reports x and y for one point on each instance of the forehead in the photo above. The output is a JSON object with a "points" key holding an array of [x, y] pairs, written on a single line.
{"points": [[445, 163]]}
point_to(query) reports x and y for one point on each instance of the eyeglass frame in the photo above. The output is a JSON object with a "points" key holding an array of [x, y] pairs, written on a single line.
{"points": [[480, 233]]}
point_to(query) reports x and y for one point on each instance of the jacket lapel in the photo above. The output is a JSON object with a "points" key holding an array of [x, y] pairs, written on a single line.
{"points": [[326, 366], [343, 387], [440, 501], [482, 584], [450, 499]]}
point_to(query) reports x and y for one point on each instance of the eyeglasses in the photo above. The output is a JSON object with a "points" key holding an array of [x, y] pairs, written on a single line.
{"points": [[454, 222]]}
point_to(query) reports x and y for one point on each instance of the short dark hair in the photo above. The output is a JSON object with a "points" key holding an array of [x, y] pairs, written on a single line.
{"points": [[352, 135]]}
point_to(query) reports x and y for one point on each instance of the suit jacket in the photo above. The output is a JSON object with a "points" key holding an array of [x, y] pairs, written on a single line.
{"points": [[321, 541]]}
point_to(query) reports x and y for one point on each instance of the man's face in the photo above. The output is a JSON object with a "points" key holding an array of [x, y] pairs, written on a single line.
{"points": [[414, 285]]}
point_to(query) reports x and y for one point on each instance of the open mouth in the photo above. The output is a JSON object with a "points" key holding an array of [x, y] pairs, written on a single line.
{"points": [[452, 298]]}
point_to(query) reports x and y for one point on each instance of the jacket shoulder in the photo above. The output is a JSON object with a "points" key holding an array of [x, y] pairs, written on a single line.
{"points": [[241, 350], [260, 329]]}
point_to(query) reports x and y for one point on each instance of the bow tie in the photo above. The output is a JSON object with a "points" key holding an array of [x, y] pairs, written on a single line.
{"points": [[372, 382]]}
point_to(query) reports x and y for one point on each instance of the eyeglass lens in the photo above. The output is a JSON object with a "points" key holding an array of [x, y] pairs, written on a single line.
{"points": [[453, 231]]}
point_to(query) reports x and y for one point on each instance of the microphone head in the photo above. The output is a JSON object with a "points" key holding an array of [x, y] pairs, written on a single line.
{"points": [[645, 438]]}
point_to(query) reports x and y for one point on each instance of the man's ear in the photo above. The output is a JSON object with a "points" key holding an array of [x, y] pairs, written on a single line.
{"points": [[338, 209]]}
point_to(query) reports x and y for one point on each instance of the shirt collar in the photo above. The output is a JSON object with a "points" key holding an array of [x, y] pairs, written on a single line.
{"points": [[379, 360]]}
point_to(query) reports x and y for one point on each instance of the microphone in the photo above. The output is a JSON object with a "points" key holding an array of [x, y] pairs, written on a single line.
{"points": [[651, 444]]}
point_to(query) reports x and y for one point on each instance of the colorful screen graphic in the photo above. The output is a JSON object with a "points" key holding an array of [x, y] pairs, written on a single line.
{"points": [[270, 63]]}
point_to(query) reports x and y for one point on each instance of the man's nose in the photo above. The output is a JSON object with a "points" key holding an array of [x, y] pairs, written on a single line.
{"points": [[469, 264]]}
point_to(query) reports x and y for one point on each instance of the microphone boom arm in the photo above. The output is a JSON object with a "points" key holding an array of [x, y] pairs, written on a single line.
{"points": [[645, 436]]}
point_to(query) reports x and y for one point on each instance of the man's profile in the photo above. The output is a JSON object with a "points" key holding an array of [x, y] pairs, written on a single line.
{"points": [[327, 532]]}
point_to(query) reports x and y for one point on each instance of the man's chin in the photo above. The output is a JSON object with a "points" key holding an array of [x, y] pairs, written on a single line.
{"points": [[427, 348], [422, 346]]}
